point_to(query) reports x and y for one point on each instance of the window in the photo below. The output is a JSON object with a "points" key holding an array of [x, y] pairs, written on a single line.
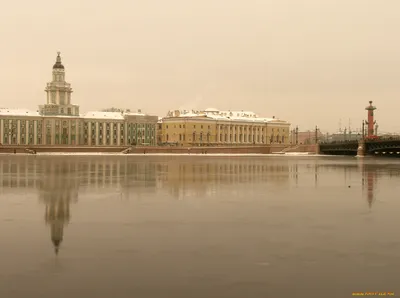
{"points": [[62, 111], [69, 111]]}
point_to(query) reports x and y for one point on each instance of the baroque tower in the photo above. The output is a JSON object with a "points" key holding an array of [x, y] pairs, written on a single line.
{"points": [[59, 94]]}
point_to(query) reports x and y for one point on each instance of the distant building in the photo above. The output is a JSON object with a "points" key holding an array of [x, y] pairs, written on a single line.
{"points": [[345, 136], [212, 127], [59, 122], [307, 137]]}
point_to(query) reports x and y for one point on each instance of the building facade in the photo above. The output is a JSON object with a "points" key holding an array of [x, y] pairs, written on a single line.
{"points": [[58, 122], [212, 127]]}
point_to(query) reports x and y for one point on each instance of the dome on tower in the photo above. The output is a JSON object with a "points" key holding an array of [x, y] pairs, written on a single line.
{"points": [[58, 64]]}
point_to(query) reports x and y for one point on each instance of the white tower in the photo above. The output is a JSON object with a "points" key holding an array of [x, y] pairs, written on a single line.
{"points": [[59, 94]]}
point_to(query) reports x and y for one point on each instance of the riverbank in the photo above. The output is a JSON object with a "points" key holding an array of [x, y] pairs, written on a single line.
{"points": [[265, 149]]}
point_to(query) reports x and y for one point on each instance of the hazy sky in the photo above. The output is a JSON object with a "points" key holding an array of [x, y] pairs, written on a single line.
{"points": [[306, 61]]}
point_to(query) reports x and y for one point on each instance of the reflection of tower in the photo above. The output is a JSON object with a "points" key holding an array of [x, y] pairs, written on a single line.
{"points": [[57, 215], [370, 120], [57, 190], [369, 177]]}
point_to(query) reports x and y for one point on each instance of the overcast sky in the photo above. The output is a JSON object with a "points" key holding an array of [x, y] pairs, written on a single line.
{"points": [[311, 62]]}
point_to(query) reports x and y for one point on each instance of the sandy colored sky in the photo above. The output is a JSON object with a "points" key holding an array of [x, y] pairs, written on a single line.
{"points": [[310, 62]]}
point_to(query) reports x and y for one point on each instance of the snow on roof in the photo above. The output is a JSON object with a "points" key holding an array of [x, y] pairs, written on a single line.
{"points": [[134, 114], [19, 112], [211, 113], [211, 110], [103, 115]]}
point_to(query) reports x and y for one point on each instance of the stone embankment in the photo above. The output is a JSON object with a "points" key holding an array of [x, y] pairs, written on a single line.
{"points": [[265, 149]]}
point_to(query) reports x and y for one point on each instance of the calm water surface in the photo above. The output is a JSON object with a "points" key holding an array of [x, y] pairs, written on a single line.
{"points": [[198, 226]]}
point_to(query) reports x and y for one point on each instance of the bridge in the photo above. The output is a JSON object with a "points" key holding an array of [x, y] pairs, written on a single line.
{"points": [[378, 147]]}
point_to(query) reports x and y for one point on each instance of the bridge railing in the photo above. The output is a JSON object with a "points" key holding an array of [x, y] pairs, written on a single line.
{"points": [[338, 142], [384, 139]]}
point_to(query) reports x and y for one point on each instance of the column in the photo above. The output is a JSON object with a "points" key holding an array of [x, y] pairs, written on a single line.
{"points": [[27, 127], [89, 134], [1, 132], [53, 131], [35, 131], [97, 133], [118, 134], [104, 134], [58, 97], [112, 133]]}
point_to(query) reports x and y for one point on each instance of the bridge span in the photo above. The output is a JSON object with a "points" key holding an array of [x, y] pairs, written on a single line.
{"points": [[389, 147]]}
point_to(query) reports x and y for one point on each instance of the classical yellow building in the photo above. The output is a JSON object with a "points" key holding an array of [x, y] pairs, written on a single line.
{"points": [[212, 127]]}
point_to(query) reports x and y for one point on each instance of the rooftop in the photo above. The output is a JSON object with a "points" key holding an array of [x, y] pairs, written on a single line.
{"points": [[88, 115], [18, 112], [212, 113]]}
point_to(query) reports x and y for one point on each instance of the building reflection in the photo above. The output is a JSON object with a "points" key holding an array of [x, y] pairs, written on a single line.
{"points": [[204, 176], [59, 181], [369, 173], [58, 187]]}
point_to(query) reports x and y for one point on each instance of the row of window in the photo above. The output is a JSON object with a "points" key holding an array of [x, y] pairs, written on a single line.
{"points": [[226, 127], [233, 138]]}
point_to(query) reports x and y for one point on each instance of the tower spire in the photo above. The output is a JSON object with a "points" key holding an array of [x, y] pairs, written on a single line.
{"points": [[58, 64]]}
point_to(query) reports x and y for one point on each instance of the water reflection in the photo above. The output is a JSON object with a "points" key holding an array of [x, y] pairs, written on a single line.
{"points": [[59, 181], [58, 187]]}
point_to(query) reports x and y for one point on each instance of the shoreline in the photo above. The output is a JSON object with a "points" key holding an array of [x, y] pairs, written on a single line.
{"points": [[298, 154], [276, 149]]}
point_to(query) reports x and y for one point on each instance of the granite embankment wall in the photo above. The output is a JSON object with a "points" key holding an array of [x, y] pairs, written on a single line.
{"points": [[268, 149], [59, 149], [313, 148]]}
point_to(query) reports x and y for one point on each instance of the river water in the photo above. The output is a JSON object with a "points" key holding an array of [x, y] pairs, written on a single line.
{"points": [[198, 226]]}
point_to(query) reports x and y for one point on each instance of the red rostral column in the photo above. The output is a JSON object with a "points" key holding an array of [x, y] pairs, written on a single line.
{"points": [[370, 121]]}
